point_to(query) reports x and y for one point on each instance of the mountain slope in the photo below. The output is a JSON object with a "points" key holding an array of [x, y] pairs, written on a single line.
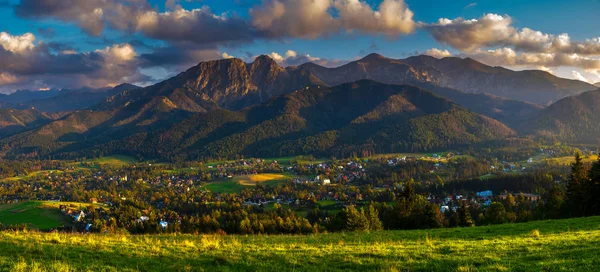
{"points": [[233, 84], [365, 116], [466, 75], [14, 121], [574, 119], [22, 96], [70, 100], [597, 84]]}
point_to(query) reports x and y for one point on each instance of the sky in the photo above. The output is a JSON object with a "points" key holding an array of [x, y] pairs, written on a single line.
{"points": [[96, 43]]}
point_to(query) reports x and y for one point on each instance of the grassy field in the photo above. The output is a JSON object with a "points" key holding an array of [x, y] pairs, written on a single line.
{"points": [[238, 183], [559, 245], [116, 160], [566, 160], [37, 215], [33, 175]]}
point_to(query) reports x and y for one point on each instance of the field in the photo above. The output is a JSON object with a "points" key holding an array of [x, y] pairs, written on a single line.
{"points": [[238, 183], [33, 174], [37, 215], [116, 161], [567, 160], [559, 245]]}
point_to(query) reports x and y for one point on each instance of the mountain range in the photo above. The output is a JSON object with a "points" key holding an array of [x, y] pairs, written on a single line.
{"points": [[229, 107]]}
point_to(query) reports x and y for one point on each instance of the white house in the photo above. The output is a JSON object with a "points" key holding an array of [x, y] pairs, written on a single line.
{"points": [[326, 181]]}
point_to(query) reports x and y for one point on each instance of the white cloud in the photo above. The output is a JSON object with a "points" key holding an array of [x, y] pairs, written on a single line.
{"points": [[17, 44], [470, 5], [314, 18], [276, 57], [27, 64], [580, 77], [493, 30], [227, 56], [290, 54], [393, 17], [434, 52], [293, 58]]}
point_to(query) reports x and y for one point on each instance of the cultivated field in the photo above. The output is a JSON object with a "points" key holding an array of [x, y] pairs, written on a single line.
{"points": [[558, 245], [238, 183]]}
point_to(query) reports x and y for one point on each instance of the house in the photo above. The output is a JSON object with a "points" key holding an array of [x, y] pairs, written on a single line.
{"points": [[326, 181], [482, 194], [163, 224], [79, 216]]}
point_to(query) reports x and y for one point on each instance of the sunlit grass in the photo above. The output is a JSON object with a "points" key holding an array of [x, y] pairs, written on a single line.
{"points": [[561, 245]]}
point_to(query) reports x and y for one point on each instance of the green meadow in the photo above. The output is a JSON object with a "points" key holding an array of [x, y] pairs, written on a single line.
{"points": [[556, 245], [36, 215], [239, 183]]}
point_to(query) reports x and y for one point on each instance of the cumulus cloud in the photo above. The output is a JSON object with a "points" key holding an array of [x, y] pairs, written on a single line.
{"points": [[197, 25], [462, 34], [314, 18], [438, 53], [17, 44], [393, 17], [511, 46], [292, 58], [227, 56], [493, 30], [94, 16], [27, 63], [508, 57]]}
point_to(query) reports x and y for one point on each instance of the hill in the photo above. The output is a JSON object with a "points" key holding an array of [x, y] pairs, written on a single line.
{"points": [[466, 75], [573, 119], [15, 121], [555, 245], [364, 116]]}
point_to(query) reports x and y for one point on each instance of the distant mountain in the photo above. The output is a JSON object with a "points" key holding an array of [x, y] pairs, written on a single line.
{"points": [[365, 116], [78, 99], [55, 100], [574, 119], [466, 75], [23, 96]]}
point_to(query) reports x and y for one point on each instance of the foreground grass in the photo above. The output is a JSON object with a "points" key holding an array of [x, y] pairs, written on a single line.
{"points": [[560, 245]]}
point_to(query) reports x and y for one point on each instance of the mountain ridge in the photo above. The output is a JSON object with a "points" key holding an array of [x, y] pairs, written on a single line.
{"points": [[364, 116]]}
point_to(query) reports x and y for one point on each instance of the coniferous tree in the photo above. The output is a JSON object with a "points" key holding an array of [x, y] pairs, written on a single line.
{"points": [[576, 188], [464, 216], [373, 217], [593, 190]]}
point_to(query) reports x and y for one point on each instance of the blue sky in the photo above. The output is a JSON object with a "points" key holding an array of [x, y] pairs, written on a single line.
{"points": [[84, 41]]}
